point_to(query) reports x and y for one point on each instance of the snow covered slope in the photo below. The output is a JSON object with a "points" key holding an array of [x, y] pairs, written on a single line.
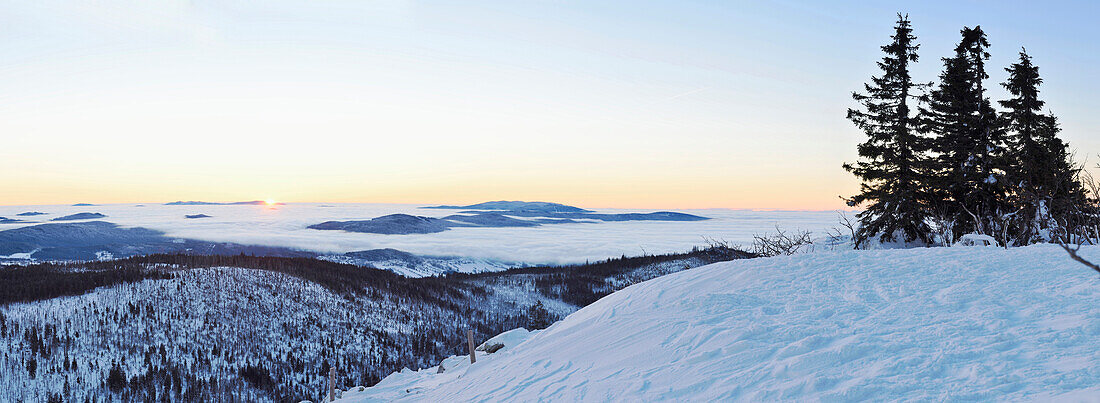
{"points": [[268, 329], [919, 324], [410, 383]]}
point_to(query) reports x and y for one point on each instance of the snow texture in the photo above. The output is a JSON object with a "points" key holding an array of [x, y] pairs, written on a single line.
{"points": [[405, 383], [933, 324], [976, 240]]}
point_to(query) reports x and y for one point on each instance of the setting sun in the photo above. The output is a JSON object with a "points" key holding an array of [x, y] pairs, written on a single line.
{"points": [[270, 202]]}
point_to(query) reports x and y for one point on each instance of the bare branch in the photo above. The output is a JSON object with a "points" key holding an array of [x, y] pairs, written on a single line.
{"points": [[782, 243]]}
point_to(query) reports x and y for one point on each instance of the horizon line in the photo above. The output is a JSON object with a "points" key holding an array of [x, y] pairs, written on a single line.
{"points": [[93, 204]]}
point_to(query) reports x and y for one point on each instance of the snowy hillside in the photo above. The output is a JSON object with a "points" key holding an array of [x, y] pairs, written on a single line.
{"points": [[920, 324], [220, 328]]}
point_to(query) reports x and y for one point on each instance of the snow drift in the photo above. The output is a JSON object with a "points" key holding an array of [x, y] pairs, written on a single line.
{"points": [[920, 324]]}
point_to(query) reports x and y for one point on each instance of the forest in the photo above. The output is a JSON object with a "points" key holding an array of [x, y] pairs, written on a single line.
{"points": [[246, 328]]}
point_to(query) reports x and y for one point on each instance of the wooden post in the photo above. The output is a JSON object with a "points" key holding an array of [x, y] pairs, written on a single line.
{"points": [[470, 340], [332, 384]]}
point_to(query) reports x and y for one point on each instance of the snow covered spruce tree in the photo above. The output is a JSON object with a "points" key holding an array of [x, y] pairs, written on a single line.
{"points": [[893, 163], [1046, 190], [969, 145]]}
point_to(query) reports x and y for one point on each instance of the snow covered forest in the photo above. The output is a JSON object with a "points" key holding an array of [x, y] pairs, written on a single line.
{"points": [[243, 328]]}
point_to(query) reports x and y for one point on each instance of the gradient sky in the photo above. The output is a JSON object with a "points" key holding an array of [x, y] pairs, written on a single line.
{"points": [[676, 104]]}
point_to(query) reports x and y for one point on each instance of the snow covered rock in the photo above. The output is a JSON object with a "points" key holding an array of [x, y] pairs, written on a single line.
{"points": [[506, 340], [919, 324], [976, 240]]}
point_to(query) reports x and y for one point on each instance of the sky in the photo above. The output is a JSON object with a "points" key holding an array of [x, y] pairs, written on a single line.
{"points": [[660, 104]]}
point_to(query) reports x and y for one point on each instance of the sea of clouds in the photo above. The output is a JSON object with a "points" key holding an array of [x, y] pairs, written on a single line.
{"points": [[285, 225]]}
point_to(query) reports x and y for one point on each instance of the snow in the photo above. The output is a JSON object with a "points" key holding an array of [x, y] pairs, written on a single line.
{"points": [[23, 255], [976, 240], [508, 339], [405, 383], [919, 324], [425, 266]]}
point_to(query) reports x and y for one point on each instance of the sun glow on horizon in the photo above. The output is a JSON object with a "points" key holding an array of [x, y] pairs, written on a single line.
{"points": [[657, 107]]}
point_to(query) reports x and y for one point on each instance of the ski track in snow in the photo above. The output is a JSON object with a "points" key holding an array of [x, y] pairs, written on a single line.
{"points": [[940, 324]]}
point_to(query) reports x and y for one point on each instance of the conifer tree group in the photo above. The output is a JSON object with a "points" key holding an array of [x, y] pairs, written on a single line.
{"points": [[941, 161]]}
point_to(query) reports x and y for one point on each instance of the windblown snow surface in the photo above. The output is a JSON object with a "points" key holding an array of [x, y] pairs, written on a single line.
{"points": [[919, 324]]}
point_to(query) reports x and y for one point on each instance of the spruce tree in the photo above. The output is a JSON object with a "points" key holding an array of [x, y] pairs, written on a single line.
{"points": [[968, 142], [1046, 189], [893, 164]]}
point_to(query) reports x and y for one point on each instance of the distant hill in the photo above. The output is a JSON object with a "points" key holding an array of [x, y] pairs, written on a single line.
{"points": [[94, 240], [404, 224], [193, 216], [561, 211], [491, 220], [100, 239], [30, 213], [494, 214], [388, 224], [203, 203], [79, 216], [75, 240], [656, 216], [517, 206]]}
